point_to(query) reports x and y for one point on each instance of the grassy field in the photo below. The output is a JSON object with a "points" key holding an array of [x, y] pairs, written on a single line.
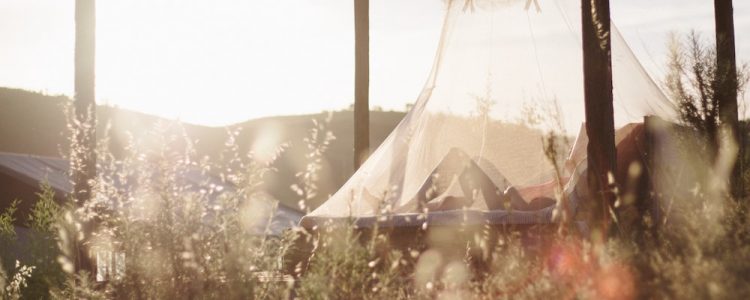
{"points": [[172, 241], [167, 239]]}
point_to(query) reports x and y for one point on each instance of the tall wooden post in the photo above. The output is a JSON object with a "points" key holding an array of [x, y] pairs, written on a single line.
{"points": [[361, 81], [597, 71], [83, 156], [726, 81], [85, 105]]}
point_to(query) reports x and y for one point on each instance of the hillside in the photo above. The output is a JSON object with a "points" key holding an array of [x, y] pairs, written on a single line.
{"points": [[34, 123]]}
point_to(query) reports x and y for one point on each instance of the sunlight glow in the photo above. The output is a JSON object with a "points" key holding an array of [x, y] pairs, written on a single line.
{"points": [[218, 63]]}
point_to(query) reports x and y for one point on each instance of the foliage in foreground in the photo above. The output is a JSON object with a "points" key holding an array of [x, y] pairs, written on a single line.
{"points": [[170, 238], [181, 240]]}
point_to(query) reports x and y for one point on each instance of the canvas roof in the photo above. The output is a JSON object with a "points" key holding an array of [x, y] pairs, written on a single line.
{"points": [[34, 170], [505, 75]]}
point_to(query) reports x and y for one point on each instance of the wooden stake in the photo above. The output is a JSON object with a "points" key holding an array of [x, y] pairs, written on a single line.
{"points": [[597, 70], [83, 156], [361, 82], [726, 81]]}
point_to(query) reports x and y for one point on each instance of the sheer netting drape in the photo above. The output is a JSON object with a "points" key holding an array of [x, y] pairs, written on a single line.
{"points": [[505, 73]]}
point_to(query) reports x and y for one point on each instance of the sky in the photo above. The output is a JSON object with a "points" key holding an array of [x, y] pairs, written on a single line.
{"points": [[218, 62]]}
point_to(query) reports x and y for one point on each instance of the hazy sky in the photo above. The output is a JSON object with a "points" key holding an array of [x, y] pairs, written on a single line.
{"points": [[218, 62]]}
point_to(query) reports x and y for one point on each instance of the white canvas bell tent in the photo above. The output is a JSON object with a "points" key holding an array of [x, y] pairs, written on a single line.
{"points": [[506, 72]]}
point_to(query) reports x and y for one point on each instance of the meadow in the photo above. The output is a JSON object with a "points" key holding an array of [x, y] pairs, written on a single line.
{"points": [[171, 239]]}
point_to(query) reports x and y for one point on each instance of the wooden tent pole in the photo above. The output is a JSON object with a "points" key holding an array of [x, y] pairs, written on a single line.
{"points": [[83, 156], [597, 71], [85, 104], [726, 89], [361, 81]]}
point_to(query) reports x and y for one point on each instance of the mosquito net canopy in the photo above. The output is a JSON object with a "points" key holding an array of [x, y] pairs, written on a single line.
{"points": [[506, 74]]}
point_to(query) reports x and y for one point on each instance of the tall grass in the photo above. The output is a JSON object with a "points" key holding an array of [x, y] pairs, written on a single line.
{"points": [[167, 237], [180, 239]]}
